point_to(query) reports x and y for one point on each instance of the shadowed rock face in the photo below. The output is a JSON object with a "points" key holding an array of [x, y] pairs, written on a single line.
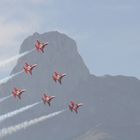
{"points": [[111, 103]]}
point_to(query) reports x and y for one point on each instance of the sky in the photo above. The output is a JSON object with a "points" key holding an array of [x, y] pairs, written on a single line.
{"points": [[107, 32]]}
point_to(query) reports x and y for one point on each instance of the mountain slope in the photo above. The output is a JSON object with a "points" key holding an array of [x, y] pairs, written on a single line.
{"points": [[111, 101]]}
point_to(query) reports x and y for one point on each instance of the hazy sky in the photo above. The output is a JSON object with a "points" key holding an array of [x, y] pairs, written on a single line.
{"points": [[107, 32]]}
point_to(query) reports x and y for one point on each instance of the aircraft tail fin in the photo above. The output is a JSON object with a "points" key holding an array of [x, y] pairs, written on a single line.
{"points": [[76, 110], [49, 103], [30, 72], [42, 50]]}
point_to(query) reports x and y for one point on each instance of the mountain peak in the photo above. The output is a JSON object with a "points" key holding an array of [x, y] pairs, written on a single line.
{"points": [[51, 37], [111, 103], [61, 54]]}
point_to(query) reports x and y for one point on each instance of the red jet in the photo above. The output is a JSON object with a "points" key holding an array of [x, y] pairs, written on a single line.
{"points": [[47, 99], [58, 77], [17, 92], [74, 107], [40, 46], [28, 68]]}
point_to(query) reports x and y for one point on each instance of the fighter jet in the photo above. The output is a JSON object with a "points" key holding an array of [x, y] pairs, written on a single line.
{"points": [[74, 107], [17, 92], [40, 46], [58, 77], [47, 99], [28, 68]]}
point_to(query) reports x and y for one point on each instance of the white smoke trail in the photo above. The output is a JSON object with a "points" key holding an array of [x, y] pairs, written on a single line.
{"points": [[4, 80], [13, 113], [5, 62], [5, 98], [26, 124]]}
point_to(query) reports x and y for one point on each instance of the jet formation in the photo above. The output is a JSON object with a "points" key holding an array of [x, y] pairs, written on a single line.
{"points": [[57, 77]]}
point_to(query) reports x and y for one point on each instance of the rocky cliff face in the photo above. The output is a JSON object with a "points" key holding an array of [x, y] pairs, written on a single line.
{"points": [[111, 103]]}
